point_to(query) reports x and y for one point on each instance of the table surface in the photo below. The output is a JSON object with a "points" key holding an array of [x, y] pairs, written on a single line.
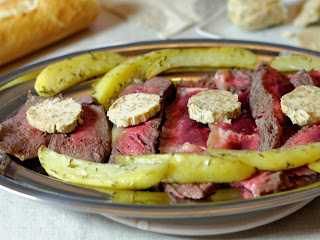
{"points": [[23, 218]]}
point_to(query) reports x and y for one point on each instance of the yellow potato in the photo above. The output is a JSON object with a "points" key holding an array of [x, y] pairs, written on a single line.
{"points": [[295, 63], [136, 197], [188, 168], [315, 166], [64, 74], [228, 194], [21, 79], [133, 177], [272, 160], [126, 73], [204, 57]]}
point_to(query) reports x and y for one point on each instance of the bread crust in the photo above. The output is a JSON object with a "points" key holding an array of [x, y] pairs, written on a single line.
{"points": [[48, 22]]}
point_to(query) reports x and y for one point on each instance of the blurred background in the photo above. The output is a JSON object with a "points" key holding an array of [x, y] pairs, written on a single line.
{"points": [[290, 22]]}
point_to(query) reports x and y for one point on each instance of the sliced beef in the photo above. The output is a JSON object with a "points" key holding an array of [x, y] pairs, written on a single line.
{"points": [[18, 137], [241, 134], [270, 130], [305, 135], [184, 135], [87, 99], [301, 177], [180, 133], [185, 87], [264, 182], [182, 92], [235, 80], [245, 193], [204, 82], [157, 85], [303, 77], [90, 141], [136, 140], [267, 88], [190, 190], [315, 77], [143, 138]]}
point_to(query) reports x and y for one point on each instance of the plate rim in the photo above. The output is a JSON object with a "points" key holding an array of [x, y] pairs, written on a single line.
{"points": [[211, 226]]}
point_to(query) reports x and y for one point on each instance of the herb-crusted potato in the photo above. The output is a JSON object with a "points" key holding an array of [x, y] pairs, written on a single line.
{"points": [[189, 168], [272, 160], [133, 177], [295, 63], [64, 74], [204, 57]]}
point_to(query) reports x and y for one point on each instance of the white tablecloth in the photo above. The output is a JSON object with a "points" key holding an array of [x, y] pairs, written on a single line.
{"points": [[22, 218]]}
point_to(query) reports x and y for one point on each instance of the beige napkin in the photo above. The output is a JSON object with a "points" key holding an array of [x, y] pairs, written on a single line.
{"points": [[165, 17]]}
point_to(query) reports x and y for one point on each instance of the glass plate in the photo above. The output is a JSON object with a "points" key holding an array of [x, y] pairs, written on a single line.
{"points": [[24, 178]]}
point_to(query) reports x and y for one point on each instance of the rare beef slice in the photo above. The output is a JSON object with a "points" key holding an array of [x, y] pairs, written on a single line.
{"points": [[179, 132], [303, 77], [241, 134], [18, 137], [184, 135], [268, 87], [90, 141], [234, 80], [307, 134], [266, 182], [142, 139], [190, 190]]}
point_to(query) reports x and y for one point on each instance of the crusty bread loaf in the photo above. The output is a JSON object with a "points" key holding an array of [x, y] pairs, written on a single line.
{"points": [[28, 25]]}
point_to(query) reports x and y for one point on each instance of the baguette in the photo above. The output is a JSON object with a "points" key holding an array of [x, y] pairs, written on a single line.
{"points": [[28, 25]]}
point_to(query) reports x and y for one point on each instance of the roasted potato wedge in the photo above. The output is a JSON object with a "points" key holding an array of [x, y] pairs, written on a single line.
{"points": [[315, 166], [204, 57], [21, 79], [126, 73], [188, 168], [113, 176], [295, 63], [272, 160], [64, 74]]}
